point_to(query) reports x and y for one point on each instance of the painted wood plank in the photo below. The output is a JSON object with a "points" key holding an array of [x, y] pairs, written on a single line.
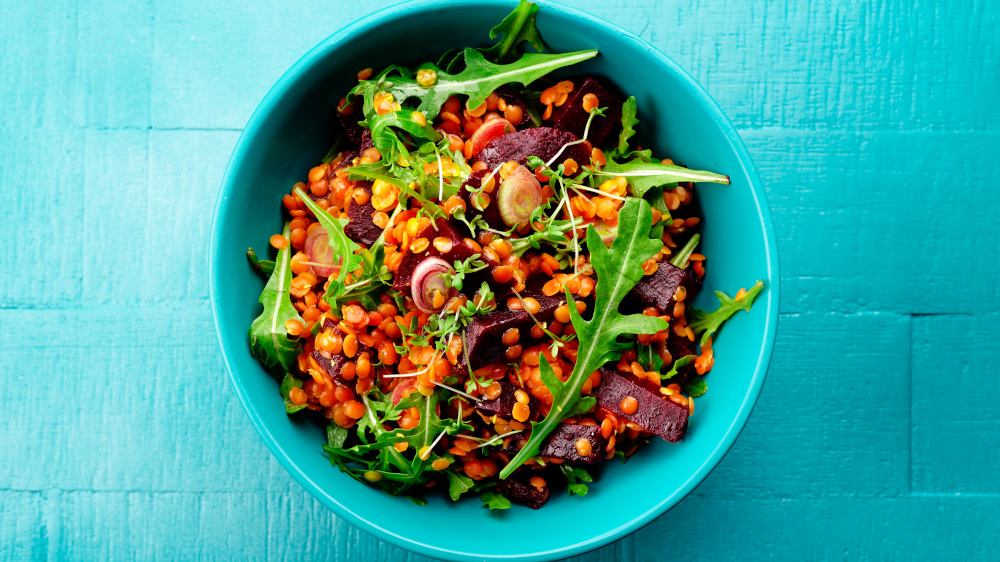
{"points": [[185, 172], [956, 422], [39, 85], [115, 53], [825, 528], [226, 526], [116, 217], [22, 525], [144, 405], [41, 263], [833, 418], [884, 221], [201, 75]]}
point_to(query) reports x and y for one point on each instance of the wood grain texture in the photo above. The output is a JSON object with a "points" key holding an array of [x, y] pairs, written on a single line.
{"points": [[876, 130]]}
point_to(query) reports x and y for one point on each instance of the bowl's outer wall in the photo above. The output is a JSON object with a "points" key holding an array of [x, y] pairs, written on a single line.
{"points": [[290, 132]]}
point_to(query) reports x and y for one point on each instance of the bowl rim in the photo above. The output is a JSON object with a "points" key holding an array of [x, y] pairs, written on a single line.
{"points": [[240, 152]]}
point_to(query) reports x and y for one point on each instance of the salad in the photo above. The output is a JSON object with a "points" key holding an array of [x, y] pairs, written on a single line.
{"points": [[485, 286]]}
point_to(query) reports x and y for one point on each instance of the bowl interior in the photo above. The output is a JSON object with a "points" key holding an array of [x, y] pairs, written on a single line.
{"points": [[290, 132]]}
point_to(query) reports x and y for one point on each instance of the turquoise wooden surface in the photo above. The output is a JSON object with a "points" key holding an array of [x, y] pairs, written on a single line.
{"points": [[876, 130]]}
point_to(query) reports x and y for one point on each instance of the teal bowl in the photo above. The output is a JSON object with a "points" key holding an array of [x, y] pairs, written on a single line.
{"points": [[288, 133]]}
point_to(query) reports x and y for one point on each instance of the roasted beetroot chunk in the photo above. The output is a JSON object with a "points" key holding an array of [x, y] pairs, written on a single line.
{"points": [[543, 142], [442, 228], [657, 290], [346, 162], [366, 140], [503, 405], [679, 346], [483, 334], [332, 365], [523, 493], [510, 97], [561, 443], [655, 414], [350, 123], [362, 229], [492, 212], [573, 117]]}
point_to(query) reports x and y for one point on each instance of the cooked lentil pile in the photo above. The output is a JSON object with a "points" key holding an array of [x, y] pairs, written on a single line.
{"points": [[484, 286]]}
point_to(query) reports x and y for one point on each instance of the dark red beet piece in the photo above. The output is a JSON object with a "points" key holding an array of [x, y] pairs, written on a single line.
{"points": [[492, 212], [366, 140], [483, 334], [522, 492], [657, 290], [510, 97], [346, 162], [655, 414], [441, 228], [362, 229], [679, 346], [350, 123], [543, 142], [561, 443], [573, 118], [513, 444], [503, 405], [333, 364]]}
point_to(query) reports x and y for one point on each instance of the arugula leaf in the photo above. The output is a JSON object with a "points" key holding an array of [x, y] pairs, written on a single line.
{"points": [[287, 384], [708, 322], [477, 80], [264, 266], [681, 258], [269, 341], [336, 436], [518, 27], [417, 500], [375, 276], [386, 140], [696, 389], [649, 358], [629, 121], [450, 61], [341, 244], [679, 364], [574, 476], [643, 176], [458, 484], [618, 270], [430, 426], [375, 461], [494, 500], [655, 199]]}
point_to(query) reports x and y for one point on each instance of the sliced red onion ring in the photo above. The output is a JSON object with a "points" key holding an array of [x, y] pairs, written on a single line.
{"points": [[519, 195], [430, 276], [317, 247]]}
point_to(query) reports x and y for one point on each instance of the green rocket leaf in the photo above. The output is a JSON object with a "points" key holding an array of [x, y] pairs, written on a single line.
{"points": [[706, 323], [618, 270], [269, 340]]}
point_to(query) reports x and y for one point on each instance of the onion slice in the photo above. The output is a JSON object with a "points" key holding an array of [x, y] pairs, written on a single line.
{"points": [[430, 284], [400, 391], [317, 247], [488, 132], [520, 194]]}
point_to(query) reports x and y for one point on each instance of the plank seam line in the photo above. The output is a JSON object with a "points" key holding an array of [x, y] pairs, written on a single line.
{"points": [[909, 413]]}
